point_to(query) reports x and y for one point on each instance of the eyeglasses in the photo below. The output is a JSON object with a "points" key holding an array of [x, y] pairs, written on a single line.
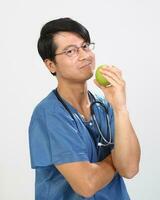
{"points": [[74, 50]]}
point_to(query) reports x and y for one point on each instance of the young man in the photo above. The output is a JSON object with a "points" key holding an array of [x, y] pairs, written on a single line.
{"points": [[71, 142]]}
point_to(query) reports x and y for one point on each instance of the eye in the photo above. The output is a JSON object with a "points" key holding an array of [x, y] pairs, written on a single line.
{"points": [[70, 51], [85, 46]]}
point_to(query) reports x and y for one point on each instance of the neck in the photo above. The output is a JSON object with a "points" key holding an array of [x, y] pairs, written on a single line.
{"points": [[75, 94]]}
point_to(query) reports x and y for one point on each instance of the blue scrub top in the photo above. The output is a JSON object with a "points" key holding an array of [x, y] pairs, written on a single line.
{"points": [[55, 138]]}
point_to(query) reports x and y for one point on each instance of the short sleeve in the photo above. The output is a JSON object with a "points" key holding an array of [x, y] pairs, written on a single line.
{"points": [[54, 139]]}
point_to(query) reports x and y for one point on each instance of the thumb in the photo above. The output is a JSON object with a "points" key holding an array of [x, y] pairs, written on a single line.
{"points": [[103, 88]]}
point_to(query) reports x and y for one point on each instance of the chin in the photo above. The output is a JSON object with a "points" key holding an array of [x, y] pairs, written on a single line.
{"points": [[89, 76]]}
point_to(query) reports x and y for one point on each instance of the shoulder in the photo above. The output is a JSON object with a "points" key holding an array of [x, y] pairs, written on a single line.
{"points": [[49, 104]]}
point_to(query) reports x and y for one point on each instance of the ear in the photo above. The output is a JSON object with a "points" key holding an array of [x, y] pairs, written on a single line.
{"points": [[50, 65]]}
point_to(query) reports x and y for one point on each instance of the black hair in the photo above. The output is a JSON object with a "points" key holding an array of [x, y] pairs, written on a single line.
{"points": [[47, 47]]}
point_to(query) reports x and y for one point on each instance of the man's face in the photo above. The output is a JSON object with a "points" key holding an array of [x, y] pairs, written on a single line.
{"points": [[77, 68]]}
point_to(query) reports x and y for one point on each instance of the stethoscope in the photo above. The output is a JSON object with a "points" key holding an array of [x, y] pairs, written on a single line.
{"points": [[102, 141]]}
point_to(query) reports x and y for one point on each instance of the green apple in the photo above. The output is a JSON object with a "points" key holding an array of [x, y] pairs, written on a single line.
{"points": [[100, 78]]}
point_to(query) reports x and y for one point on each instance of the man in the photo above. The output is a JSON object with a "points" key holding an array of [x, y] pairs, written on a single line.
{"points": [[71, 147]]}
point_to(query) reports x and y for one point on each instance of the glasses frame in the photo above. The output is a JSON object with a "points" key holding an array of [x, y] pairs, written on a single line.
{"points": [[77, 49]]}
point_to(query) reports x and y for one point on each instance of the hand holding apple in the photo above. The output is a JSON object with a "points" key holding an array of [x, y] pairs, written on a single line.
{"points": [[107, 76], [100, 78]]}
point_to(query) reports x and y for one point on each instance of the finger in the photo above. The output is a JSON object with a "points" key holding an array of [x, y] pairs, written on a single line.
{"points": [[112, 75], [112, 81], [115, 70], [101, 86]]}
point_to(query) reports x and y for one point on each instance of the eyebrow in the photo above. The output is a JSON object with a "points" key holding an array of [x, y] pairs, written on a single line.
{"points": [[73, 45]]}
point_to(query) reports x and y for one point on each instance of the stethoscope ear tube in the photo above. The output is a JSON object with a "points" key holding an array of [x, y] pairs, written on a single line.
{"points": [[63, 103]]}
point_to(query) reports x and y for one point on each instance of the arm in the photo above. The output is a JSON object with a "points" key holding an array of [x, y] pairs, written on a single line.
{"points": [[126, 153], [87, 178]]}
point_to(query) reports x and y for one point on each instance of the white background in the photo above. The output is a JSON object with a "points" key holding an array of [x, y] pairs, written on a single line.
{"points": [[126, 33]]}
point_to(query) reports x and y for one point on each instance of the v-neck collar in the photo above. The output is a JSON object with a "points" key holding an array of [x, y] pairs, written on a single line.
{"points": [[75, 110]]}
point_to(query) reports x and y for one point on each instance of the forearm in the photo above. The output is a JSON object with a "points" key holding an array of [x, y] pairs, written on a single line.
{"points": [[126, 153], [87, 178], [101, 174]]}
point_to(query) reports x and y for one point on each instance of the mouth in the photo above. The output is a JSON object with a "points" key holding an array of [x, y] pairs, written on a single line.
{"points": [[89, 64]]}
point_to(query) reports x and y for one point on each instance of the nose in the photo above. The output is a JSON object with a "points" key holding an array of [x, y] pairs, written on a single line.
{"points": [[83, 54]]}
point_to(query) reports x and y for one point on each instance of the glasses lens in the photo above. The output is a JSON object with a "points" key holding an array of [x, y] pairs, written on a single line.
{"points": [[91, 46], [71, 51]]}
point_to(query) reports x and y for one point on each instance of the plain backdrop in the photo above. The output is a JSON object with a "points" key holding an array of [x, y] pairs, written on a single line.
{"points": [[126, 33]]}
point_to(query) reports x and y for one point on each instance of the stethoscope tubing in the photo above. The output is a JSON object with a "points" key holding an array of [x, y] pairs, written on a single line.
{"points": [[105, 141]]}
